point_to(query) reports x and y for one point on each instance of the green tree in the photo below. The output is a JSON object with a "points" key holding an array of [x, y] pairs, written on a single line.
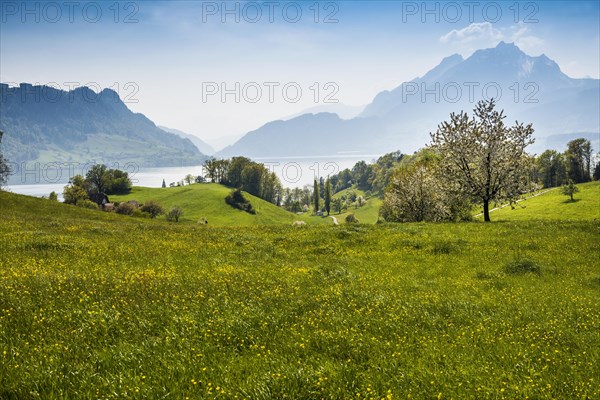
{"points": [[53, 196], [164, 184], [189, 179], [75, 191], [97, 179], [252, 179], [316, 196], [552, 168], [337, 205], [234, 173], [570, 189], [579, 159], [328, 196], [174, 214], [596, 175], [118, 182], [100, 179], [481, 156], [361, 174], [153, 208], [210, 169]]}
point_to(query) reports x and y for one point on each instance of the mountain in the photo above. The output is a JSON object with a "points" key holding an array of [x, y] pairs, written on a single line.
{"points": [[308, 135], [529, 89], [45, 125], [342, 110], [201, 145]]}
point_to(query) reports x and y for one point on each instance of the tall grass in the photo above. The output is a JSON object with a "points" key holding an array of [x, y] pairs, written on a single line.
{"points": [[96, 305]]}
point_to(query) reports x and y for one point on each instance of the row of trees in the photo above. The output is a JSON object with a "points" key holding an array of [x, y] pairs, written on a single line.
{"points": [[554, 169], [373, 178], [99, 182], [245, 174]]}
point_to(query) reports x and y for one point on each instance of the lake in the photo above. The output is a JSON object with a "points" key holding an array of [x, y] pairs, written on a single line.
{"points": [[40, 179]]}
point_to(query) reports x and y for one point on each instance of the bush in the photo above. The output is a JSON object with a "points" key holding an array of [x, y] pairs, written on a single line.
{"points": [[351, 219], [522, 266], [125, 209], [174, 214], [153, 208], [140, 214], [86, 203], [236, 199], [53, 196]]}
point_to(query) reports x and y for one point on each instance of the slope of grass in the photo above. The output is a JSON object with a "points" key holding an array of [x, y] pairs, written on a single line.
{"points": [[208, 201], [95, 305], [367, 214], [553, 205]]}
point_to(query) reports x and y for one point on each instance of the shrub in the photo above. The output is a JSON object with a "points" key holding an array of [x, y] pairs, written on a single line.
{"points": [[351, 219], [522, 266], [153, 208], [53, 196], [87, 203], [236, 199], [140, 214], [174, 214], [125, 209]]}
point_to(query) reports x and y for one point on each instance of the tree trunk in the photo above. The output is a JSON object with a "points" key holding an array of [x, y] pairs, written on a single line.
{"points": [[486, 210]]}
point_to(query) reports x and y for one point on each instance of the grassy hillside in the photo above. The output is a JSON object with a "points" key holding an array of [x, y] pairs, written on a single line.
{"points": [[95, 305], [208, 201], [553, 205], [367, 214]]}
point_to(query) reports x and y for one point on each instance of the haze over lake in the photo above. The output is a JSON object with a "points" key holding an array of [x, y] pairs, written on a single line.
{"points": [[40, 180]]}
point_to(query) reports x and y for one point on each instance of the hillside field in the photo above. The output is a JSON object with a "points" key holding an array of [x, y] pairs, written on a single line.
{"points": [[207, 200], [98, 305], [553, 205]]}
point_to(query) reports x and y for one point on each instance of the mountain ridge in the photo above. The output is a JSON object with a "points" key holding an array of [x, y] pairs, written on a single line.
{"points": [[44, 124], [531, 89]]}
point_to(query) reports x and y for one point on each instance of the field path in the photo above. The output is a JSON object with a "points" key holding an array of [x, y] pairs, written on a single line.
{"points": [[335, 222], [506, 205]]}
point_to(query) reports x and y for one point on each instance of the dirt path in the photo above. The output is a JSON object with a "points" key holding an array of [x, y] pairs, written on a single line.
{"points": [[518, 201]]}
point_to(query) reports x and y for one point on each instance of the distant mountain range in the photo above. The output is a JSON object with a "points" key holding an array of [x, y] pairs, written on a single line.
{"points": [[529, 89], [201, 145], [44, 124]]}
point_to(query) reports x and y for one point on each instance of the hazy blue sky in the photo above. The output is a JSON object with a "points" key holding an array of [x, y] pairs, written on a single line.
{"points": [[172, 50]]}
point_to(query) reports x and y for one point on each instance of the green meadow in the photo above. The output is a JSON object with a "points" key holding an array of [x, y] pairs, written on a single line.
{"points": [[207, 200], [553, 205], [99, 305]]}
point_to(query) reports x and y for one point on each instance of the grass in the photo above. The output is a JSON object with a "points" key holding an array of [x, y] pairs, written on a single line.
{"points": [[208, 201], [97, 305], [553, 205]]}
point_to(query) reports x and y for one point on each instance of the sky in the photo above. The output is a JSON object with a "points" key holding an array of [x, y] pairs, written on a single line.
{"points": [[219, 69]]}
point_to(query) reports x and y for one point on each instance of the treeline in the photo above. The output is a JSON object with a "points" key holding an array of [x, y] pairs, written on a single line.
{"points": [[552, 169], [247, 175], [549, 169], [373, 178]]}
